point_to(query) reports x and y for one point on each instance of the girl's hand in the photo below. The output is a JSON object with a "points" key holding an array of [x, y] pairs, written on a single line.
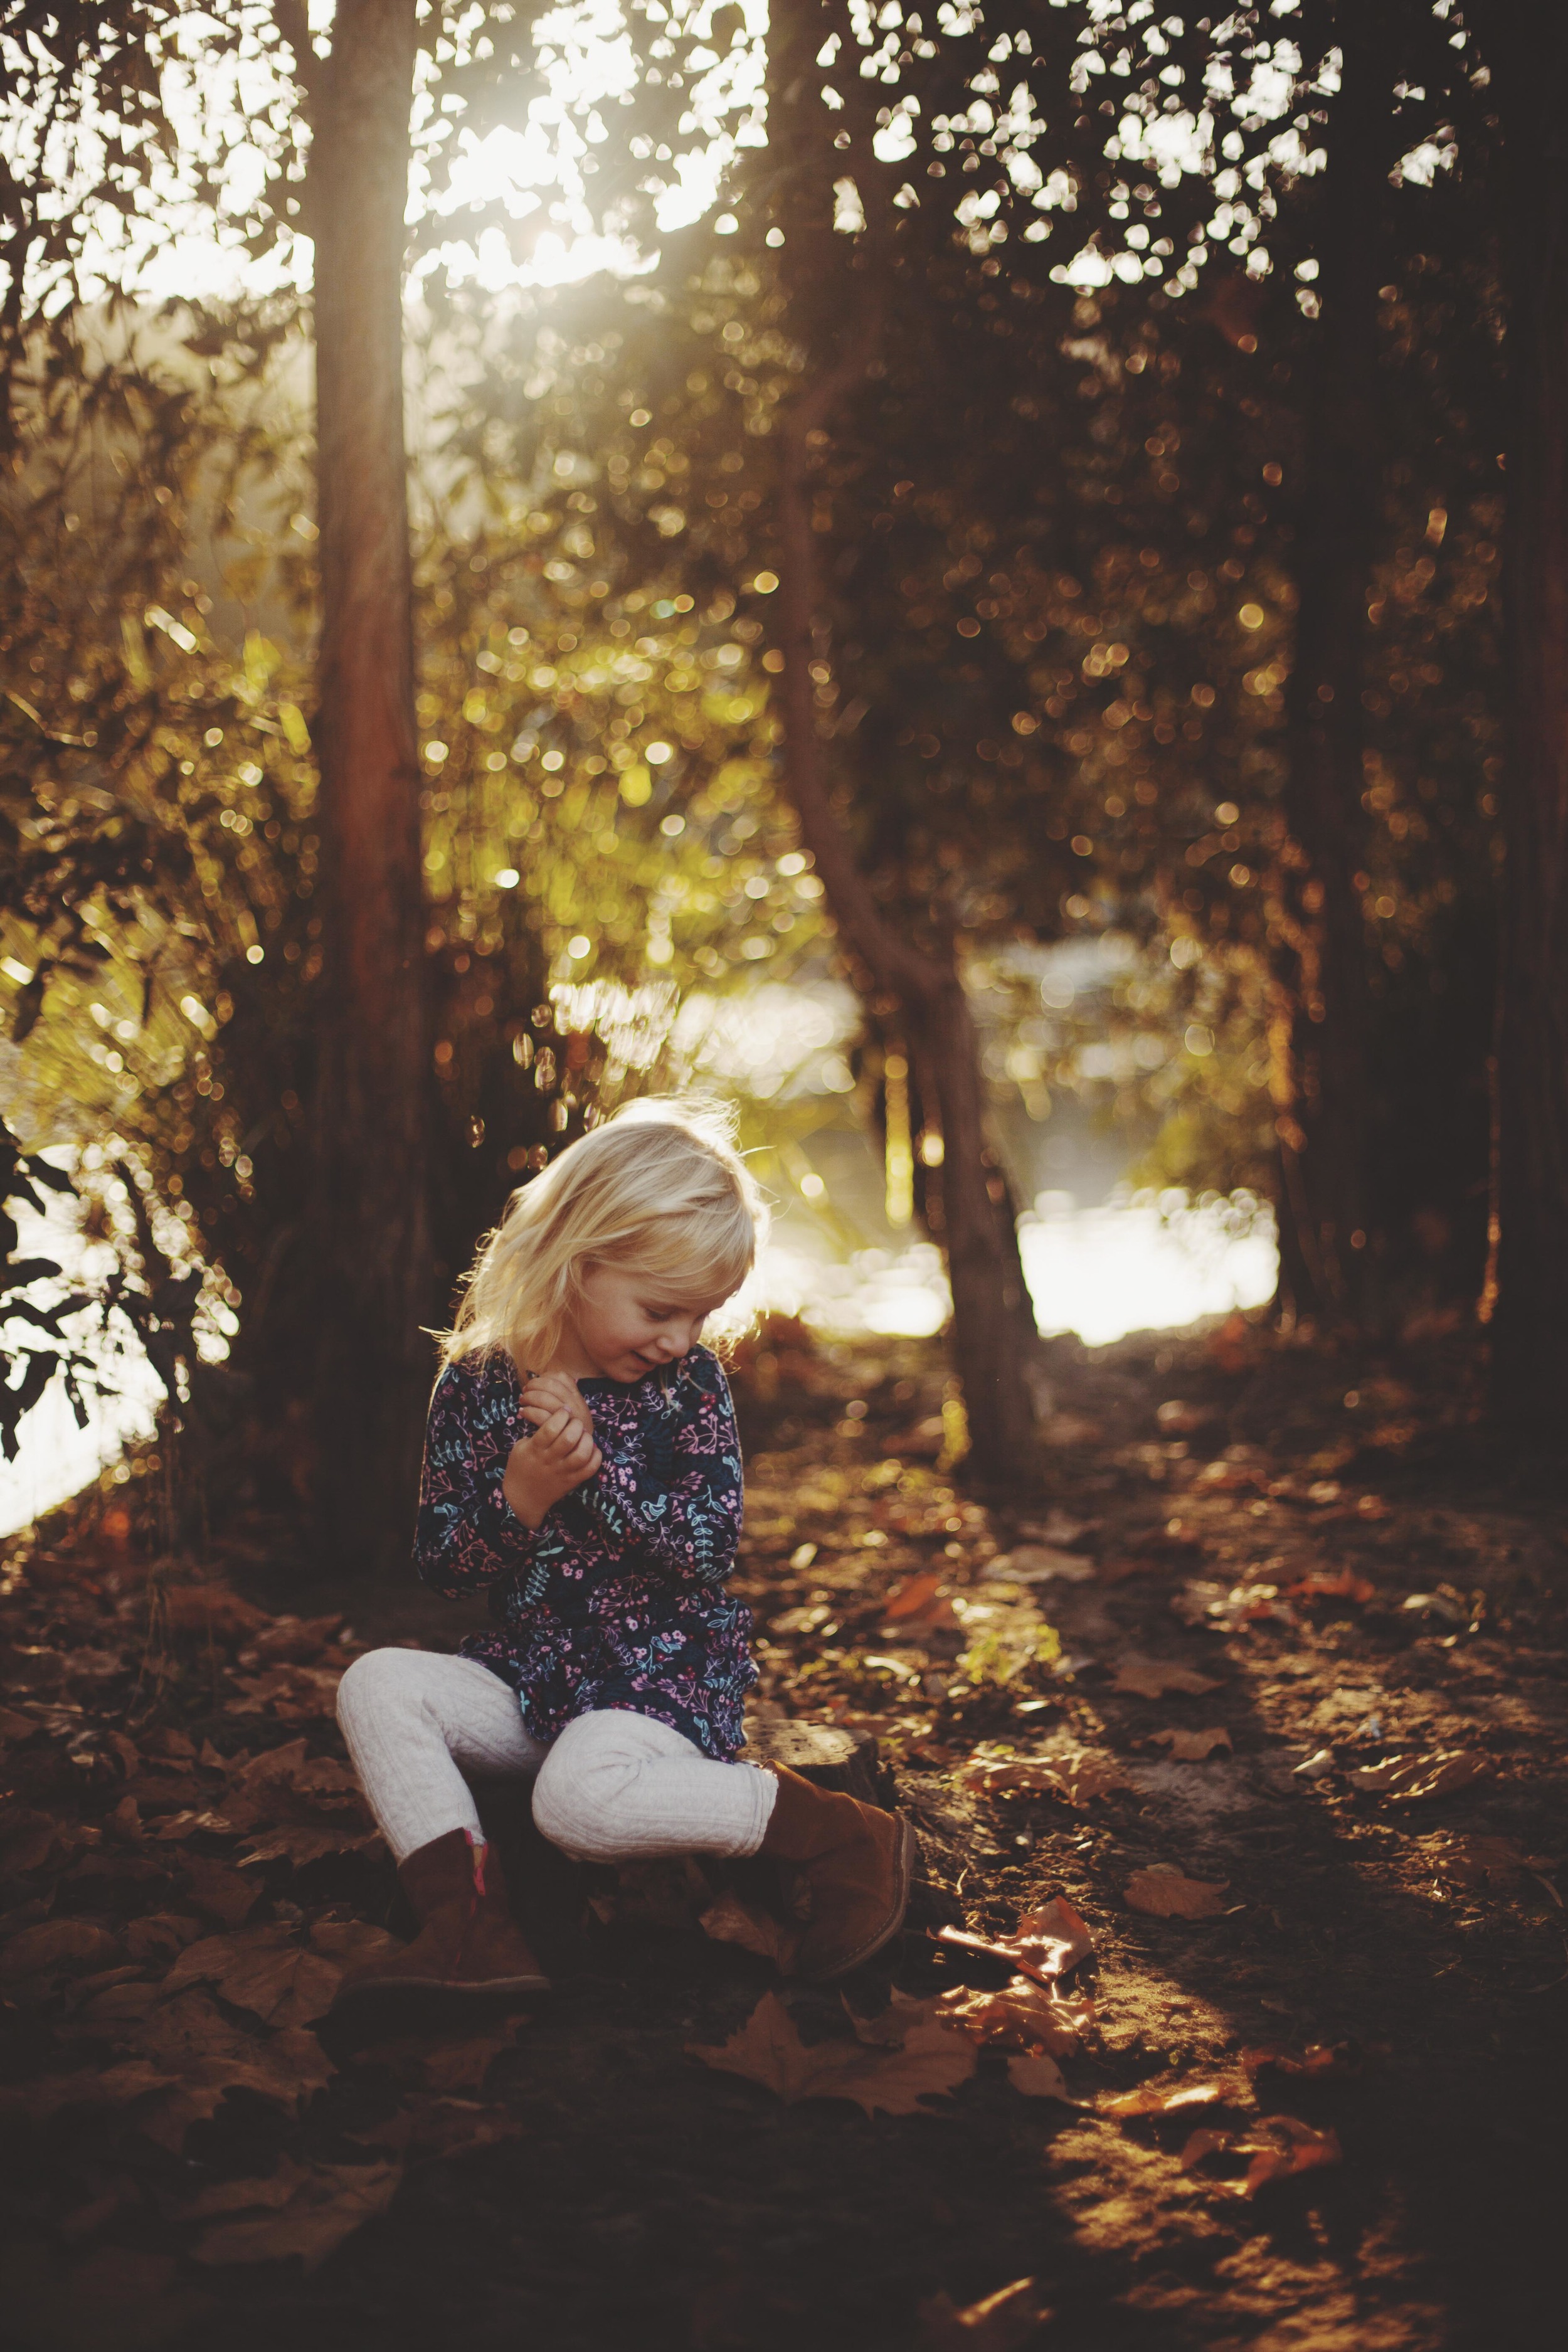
{"points": [[547, 1393], [559, 1456]]}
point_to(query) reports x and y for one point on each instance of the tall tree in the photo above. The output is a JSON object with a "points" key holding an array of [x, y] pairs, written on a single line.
{"points": [[1525, 44], [369, 1241]]}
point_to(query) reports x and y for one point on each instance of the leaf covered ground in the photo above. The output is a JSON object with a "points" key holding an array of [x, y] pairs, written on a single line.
{"points": [[1230, 2010]]}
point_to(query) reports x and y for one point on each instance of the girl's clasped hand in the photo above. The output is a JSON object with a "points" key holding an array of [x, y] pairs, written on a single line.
{"points": [[560, 1454]]}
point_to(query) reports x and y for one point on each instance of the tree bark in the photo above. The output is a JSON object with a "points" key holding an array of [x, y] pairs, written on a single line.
{"points": [[1528, 51], [988, 1344], [1321, 1077], [370, 1209]]}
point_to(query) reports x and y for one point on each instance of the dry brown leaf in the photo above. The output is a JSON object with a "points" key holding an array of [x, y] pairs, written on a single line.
{"points": [[1022, 2016], [1278, 2146], [241, 2196], [263, 1969], [219, 1888], [907, 1599], [281, 1763], [1045, 1944], [1192, 1747], [1039, 1564], [767, 2049], [161, 1934], [347, 1942], [1345, 1584], [1485, 1861], [1175, 2098], [1037, 2076], [209, 1609], [293, 1842], [1078, 1774], [452, 2067], [181, 1826], [1411, 1778], [328, 2205], [1153, 1677], [191, 2039], [731, 1921], [1002, 2322], [114, 2087], [1201, 2143], [27, 1841], [1163, 1892], [57, 1944], [16, 1727], [114, 2298], [1317, 2058]]}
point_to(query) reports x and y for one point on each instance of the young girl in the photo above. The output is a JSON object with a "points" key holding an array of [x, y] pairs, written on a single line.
{"points": [[582, 1465]]}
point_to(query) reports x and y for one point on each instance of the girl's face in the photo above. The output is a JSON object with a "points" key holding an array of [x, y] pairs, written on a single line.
{"points": [[627, 1324]]}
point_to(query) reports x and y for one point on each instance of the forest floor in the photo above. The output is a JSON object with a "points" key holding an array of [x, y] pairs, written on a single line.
{"points": [[1258, 2056]]}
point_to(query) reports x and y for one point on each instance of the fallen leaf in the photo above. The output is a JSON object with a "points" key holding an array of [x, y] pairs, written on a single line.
{"points": [[51, 2094], [1078, 1774], [292, 1693], [1280, 2147], [27, 1841], [1165, 1893], [1319, 2058], [1408, 1778], [209, 1609], [180, 1826], [16, 1727], [191, 2039], [115, 2298], [1153, 1677], [731, 1921], [1192, 1747], [1034, 1563], [219, 1888], [347, 1942], [292, 1842], [1175, 2098], [1002, 2322], [444, 2067], [161, 1934], [263, 1969], [330, 2204], [1485, 1861], [1022, 2016], [1201, 2144], [1045, 1944], [1344, 1585], [1037, 2076], [767, 2049], [241, 2196], [56, 1944]]}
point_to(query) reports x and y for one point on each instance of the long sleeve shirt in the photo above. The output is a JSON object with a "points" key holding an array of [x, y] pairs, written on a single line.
{"points": [[617, 1599]]}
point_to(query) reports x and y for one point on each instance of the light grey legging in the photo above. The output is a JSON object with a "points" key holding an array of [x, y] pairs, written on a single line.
{"points": [[420, 1724]]}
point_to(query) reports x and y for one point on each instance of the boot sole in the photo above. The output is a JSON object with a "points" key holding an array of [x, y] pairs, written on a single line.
{"points": [[909, 1847]]}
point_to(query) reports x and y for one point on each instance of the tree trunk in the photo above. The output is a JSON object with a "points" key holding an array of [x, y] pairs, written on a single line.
{"points": [[989, 1345], [1529, 58], [1320, 956], [370, 1222]]}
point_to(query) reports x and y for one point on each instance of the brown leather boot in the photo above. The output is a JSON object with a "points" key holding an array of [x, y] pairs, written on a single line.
{"points": [[467, 1942], [855, 1863]]}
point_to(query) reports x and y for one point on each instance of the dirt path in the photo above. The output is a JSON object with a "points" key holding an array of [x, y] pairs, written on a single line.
{"points": [[1226, 1581]]}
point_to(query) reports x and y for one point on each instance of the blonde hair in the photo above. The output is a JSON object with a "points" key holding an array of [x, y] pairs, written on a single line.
{"points": [[659, 1186]]}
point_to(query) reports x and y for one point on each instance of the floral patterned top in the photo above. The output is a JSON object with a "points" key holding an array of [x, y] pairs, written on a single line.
{"points": [[618, 1599]]}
